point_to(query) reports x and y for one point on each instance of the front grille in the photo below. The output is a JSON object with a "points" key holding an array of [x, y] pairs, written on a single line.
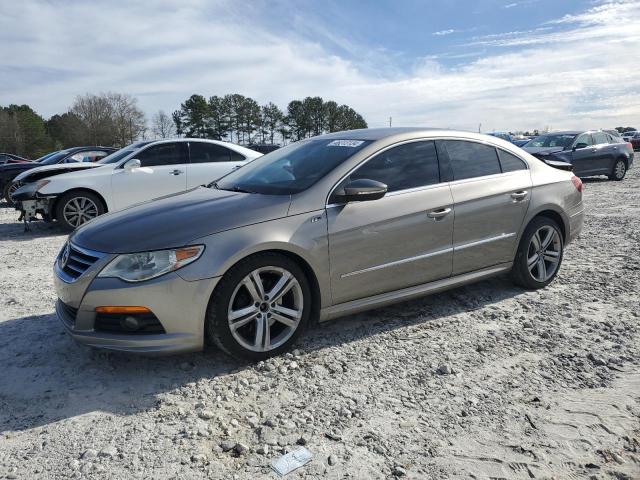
{"points": [[77, 261], [146, 324]]}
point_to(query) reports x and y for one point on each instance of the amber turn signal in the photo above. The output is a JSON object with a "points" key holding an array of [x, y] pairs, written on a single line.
{"points": [[125, 310]]}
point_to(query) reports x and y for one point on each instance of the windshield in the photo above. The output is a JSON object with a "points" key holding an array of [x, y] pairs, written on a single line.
{"points": [[55, 157], [563, 140], [291, 169], [118, 155], [44, 157]]}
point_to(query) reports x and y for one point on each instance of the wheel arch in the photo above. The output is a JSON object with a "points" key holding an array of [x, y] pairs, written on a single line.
{"points": [[54, 205], [556, 217]]}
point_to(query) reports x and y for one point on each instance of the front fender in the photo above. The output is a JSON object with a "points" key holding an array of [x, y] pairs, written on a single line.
{"points": [[303, 235]]}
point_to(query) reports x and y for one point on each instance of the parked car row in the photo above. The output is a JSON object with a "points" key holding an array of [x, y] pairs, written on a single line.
{"points": [[323, 227]]}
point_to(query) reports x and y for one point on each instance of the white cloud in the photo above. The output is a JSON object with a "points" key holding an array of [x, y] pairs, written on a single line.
{"points": [[574, 73], [442, 33]]}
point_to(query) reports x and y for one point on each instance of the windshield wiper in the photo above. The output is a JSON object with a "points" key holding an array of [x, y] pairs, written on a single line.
{"points": [[235, 188]]}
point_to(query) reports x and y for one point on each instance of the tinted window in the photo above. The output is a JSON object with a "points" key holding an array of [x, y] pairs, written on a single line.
{"points": [[201, 152], [406, 166], [237, 157], [509, 162], [583, 140], [55, 158], [469, 159], [552, 140], [600, 138], [293, 168], [163, 154]]}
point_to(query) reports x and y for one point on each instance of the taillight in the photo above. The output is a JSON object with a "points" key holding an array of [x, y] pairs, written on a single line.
{"points": [[577, 183], [629, 144]]}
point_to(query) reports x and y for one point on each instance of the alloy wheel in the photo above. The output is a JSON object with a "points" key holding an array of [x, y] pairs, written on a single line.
{"points": [[79, 210], [543, 255], [265, 309], [620, 169]]}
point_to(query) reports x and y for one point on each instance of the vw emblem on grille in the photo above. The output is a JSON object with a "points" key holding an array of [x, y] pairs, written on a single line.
{"points": [[64, 258]]}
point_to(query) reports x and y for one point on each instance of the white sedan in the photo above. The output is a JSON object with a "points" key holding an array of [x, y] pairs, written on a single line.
{"points": [[75, 194]]}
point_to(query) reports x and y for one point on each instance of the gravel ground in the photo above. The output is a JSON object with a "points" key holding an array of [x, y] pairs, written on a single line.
{"points": [[485, 381]]}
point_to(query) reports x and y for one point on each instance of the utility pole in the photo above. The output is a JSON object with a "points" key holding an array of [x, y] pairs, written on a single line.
{"points": [[480, 128], [390, 120]]}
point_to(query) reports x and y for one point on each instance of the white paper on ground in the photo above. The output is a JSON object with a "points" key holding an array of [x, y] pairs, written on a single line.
{"points": [[291, 461]]}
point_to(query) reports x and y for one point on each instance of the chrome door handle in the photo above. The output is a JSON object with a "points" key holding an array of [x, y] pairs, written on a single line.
{"points": [[521, 195], [437, 214], [175, 172]]}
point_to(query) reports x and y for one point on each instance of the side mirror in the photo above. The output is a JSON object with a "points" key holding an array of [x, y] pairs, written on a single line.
{"points": [[578, 146], [362, 190], [132, 164]]}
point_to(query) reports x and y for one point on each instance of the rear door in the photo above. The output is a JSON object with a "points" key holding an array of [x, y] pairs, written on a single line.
{"points": [[397, 241], [583, 157], [162, 172], [210, 161], [491, 190]]}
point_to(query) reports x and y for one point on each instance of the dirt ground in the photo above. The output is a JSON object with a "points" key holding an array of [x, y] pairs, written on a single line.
{"points": [[485, 381]]}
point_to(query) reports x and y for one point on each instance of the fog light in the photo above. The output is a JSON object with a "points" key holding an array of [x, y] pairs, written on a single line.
{"points": [[131, 323]]}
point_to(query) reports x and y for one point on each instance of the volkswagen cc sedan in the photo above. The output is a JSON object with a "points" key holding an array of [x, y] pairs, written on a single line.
{"points": [[322, 228]]}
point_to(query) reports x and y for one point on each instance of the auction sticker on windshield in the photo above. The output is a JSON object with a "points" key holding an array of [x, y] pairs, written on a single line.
{"points": [[345, 143]]}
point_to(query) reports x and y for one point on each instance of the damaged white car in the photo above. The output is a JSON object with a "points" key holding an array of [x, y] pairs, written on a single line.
{"points": [[75, 194]]}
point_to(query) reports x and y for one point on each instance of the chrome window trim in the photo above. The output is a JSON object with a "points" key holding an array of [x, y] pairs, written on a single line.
{"points": [[453, 249]]}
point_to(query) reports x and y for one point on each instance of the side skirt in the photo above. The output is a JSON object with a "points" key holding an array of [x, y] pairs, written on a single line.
{"points": [[410, 293]]}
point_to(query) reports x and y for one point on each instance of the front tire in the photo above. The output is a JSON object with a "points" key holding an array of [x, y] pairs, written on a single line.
{"points": [[259, 308], [619, 170], [8, 189], [74, 209], [539, 254]]}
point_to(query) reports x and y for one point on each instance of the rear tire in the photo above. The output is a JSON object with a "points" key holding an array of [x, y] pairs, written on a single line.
{"points": [[539, 254], [241, 318], [74, 209], [619, 170]]}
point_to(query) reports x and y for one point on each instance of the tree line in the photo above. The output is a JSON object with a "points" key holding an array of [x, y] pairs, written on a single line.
{"points": [[115, 119], [241, 119]]}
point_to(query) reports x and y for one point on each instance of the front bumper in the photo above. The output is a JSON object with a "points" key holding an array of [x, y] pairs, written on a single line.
{"points": [[27, 200], [179, 305]]}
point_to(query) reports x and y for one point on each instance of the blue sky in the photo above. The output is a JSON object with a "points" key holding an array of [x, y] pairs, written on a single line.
{"points": [[505, 64]]}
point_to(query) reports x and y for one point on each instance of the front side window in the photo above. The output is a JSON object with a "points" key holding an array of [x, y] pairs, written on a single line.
{"points": [[509, 162], [470, 159], [406, 166], [203, 152], [163, 154], [293, 168], [583, 140]]}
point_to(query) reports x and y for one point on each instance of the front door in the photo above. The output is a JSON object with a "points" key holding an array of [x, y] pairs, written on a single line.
{"points": [[210, 161], [400, 240], [162, 172], [583, 157], [491, 196]]}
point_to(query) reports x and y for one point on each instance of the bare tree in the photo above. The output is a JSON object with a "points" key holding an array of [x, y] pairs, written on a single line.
{"points": [[162, 125]]}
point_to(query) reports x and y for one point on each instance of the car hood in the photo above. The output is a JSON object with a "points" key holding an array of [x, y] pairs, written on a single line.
{"points": [[14, 168], [51, 170], [177, 220], [543, 150]]}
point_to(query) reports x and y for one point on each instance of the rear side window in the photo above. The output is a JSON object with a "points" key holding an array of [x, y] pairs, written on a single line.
{"points": [[470, 159], [202, 152], [509, 162], [406, 166], [599, 138], [163, 154]]}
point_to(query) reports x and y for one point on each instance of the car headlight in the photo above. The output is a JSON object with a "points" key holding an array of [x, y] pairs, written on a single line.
{"points": [[42, 184], [137, 267]]}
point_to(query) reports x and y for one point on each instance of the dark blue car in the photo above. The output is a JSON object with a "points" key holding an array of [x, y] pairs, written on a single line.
{"points": [[590, 153]]}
